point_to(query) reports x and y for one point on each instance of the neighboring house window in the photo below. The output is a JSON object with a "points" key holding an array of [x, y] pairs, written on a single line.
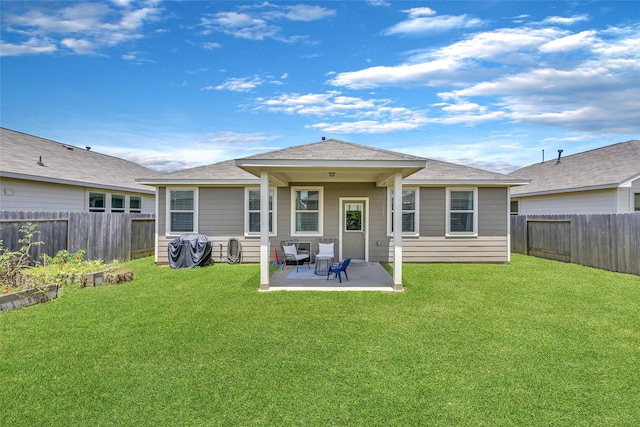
{"points": [[97, 202], [462, 212], [306, 212], [636, 203], [515, 207], [182, 211], [117, 203], [252, 209], [410, 203], [135, 204]]}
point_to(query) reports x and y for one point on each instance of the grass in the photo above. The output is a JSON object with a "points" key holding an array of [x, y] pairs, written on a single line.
{"points": [[535, 342]]}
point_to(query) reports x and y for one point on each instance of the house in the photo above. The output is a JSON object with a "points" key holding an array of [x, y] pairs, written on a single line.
{"points": [[601, 181], [449, 213], [38, 174]]}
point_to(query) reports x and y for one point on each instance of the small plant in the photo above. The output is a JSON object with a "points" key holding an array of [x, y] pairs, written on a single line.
{"points": [[12, 263]]}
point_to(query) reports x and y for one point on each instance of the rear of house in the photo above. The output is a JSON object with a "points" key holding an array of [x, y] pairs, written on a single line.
{"points": [[450, 213]]}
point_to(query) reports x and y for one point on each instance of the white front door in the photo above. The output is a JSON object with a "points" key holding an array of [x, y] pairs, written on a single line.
{"points": [[354, 229]]}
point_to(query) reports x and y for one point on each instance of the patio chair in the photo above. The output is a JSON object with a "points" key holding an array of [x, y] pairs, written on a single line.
{"points": [[291, 254], [339, 269]]}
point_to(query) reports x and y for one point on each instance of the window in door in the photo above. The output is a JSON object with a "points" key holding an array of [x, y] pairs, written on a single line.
{"points": [[353, 217]]}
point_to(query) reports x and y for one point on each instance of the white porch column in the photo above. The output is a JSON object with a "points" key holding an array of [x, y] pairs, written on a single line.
{"points": [[264, 230], [397, 232]]}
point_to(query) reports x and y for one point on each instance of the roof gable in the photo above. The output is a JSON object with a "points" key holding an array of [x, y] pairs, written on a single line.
{"points": [[30, 157], [332, 149], [606, 167]]}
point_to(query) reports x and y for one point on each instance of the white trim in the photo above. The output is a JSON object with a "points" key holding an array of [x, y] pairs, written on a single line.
{"points": [[448, 231], [365, 202], [168, 230], [320, 231], [416, 211], [274, 212]]}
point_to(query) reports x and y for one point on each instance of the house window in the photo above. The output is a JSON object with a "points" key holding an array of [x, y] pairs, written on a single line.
{"points": [[306, 212], [462, 212], [636, 203], [182, 211], [97, 202], [252, 209], [515, 206], [135, 204], [117, 203], [410, 203]]}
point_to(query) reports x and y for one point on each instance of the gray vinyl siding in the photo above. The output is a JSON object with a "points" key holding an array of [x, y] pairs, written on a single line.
{"points": [[432, 211], [28, 195], [492, 211], [221, 211], [221, 216]]}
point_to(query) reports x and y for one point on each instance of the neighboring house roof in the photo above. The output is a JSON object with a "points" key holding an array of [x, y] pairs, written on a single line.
{"points": [[33, 158], [439, 173], [601, 168], [335, 155]]}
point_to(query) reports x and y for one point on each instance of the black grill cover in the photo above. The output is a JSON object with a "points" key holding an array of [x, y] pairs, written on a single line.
{"points": [[190, 250]]}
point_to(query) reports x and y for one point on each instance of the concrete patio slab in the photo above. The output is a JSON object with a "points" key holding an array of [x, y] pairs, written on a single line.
{"points": [[363, 276]]}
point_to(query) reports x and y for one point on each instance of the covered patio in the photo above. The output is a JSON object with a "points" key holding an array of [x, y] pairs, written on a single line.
{"points": [[363, 276]]}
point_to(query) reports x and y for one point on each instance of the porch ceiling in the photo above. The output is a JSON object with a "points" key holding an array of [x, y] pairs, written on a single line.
{"points": [[382, 173]]}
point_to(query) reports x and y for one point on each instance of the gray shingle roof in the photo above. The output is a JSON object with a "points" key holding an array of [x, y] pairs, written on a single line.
{"points": [[439, 171], [332, 149], [222, 171], [66, 164], [605, 167]]}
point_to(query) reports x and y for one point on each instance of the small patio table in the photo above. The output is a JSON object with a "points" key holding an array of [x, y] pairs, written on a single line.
{"points": [[322, 265]]}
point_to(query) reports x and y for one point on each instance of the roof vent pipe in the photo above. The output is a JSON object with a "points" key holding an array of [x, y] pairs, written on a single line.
{"points": [[559, 155], [39, 162]]}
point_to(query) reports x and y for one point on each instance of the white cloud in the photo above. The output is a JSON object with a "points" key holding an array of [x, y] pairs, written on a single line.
{"points": [[301, 12], [238, 84], [560, 20], [83, 28], [261, 22], [422, 20], [584, 39], [33, 46]]}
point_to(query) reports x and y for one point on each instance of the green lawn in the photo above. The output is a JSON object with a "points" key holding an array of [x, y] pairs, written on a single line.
{"points": [[535, 342]]}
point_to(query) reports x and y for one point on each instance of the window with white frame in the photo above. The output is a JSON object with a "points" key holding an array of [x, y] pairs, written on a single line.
{"points": [[306, 211], [182, 208], [410, 211], [515, 207], [252, 211], [636, 202], [135, 204], [462, 211], [117, 203], [97, 202]]}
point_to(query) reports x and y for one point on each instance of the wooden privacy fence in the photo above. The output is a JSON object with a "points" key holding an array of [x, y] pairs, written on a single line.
{"points": [[610, 242], [105, 236]]}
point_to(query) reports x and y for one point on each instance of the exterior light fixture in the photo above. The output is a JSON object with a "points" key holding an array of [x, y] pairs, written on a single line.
{"points": [[332, 174]]}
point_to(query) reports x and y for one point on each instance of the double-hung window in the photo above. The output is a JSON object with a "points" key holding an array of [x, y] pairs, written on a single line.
{"points": [[182, 210], [252, 211], [135, 204], [462, 212], [117, 203], [636, 202], [97, 202], [410, 210], [306, 212]]}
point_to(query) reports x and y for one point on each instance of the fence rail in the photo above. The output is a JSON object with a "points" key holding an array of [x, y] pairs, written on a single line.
{"points": [[610, 242], [105, 236]]}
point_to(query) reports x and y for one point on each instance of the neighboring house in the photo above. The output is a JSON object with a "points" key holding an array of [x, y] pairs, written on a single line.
{"points": [[601, 181], [38, 174], [345, 191]]}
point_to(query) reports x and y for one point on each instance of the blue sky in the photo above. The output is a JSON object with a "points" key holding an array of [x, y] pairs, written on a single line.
{"points": [[178, 84]]}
